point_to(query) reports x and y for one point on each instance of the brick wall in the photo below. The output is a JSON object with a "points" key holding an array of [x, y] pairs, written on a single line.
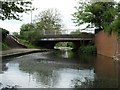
{"points": [[119, 49], [106, 44]]}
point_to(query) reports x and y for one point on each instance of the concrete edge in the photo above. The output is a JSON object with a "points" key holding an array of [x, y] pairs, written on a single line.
{"points": [[21, 53]]}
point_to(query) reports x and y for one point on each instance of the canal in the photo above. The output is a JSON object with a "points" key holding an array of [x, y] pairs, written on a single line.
{"points": [[59, 69]]}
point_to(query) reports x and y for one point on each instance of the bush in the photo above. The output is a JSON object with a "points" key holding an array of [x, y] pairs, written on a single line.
{"points": [[89, 49], [4, 33], [27, 43], [16, 34], [3, 46]]}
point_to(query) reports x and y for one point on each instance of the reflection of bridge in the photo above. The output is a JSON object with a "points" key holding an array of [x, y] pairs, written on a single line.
{"points": [[49, 41]]}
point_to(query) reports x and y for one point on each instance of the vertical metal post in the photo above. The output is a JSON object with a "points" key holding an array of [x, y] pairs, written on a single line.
{"points": [[44, 32], [31, 16], [31, 12], [55, 32]]}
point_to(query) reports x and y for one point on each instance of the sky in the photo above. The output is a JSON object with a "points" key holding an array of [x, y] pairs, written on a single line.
{"points": [[65, 7]]}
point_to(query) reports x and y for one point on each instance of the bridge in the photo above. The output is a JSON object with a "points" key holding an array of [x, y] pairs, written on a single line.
{"points": [[48, 40]]}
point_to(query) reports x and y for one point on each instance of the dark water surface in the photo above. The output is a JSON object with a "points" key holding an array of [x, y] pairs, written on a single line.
{"points": [[60, 69]]}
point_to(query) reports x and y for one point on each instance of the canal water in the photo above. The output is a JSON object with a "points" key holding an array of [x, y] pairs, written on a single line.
{"points": [[60, 69]]}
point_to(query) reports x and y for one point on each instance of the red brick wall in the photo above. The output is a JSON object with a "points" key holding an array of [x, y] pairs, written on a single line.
{"points": [[119, 49], [106, 44]]}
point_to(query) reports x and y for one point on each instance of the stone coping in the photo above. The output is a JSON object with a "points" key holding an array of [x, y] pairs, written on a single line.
{"points": [[19, 52]]}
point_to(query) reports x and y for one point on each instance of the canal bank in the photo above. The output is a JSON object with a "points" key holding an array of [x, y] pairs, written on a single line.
{"points": [[19, 52]]}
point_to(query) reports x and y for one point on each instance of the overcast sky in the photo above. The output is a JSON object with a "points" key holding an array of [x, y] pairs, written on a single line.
{"points": [[65, 7]]}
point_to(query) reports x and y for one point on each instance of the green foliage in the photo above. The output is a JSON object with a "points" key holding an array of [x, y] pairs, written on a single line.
{"points": [[49, 20], [28, 38], [27, 31], [70, 44], [26, 43], [89, 49], [16, 34], [100, 14], [115, 25], [61, 44], [46, 20], [98, 82], [75, 32], [31, 36], [65, 44], [27, 27], [11, 10], [85, 34], [9, 88], [3, 46], [4, 33]]}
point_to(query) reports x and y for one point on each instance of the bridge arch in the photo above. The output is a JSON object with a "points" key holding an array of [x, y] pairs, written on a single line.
{"points": [[51, 44]]}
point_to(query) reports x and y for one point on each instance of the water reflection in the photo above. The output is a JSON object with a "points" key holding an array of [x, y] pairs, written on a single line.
{"points": [[41, 72], [106, 72], [61, 69], [4, 67]]}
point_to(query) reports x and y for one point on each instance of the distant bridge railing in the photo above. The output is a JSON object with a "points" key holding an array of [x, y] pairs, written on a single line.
{"points": [[55, 32], [61, 32], [69, 36]]}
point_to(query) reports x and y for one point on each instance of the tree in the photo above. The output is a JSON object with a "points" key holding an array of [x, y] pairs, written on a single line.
{"points": [[115, 25], [76, 32], [3, 34], [49, 20], [46, 20], [26, 31], [30, 33], [27, 27], [11, 10], [99, 14]]}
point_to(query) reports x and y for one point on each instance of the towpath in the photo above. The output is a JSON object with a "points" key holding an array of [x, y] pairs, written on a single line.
{"points": [[19, 52]]}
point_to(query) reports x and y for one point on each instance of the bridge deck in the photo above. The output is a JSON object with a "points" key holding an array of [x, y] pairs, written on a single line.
{"points": [[66, 39], [68, 36]]}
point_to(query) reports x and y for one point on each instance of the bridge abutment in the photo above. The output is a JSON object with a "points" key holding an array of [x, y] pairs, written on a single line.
{"points": [[47, 44], [106, 44]]}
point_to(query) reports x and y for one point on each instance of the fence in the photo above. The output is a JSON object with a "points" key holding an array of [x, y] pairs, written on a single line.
{"points": [[60, 32]]}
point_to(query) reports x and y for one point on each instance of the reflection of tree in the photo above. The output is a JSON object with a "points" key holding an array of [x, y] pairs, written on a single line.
{"points": [[47, 77], [41, 71], [87, 59], [4, 67], [72, 57], [103, 82], [105, 75], [57, 54], [67, 54], [88, 83], [96, 83]]}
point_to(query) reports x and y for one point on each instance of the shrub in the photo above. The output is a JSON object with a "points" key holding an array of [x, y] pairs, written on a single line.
{"points": [[89, 49], [4, 33], [3, 46]]}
